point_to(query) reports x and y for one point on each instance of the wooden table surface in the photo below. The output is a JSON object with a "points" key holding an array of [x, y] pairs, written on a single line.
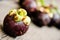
{"points": [[33, 33]]}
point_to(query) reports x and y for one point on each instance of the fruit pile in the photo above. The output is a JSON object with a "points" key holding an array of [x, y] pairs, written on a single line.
{"points": [[41, 14], [16, 23]]}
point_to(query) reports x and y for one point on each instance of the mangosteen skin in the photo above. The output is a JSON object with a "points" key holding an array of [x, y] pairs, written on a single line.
{"points": [[34, 17], [56, 19], [40, 19], [12, 28]]}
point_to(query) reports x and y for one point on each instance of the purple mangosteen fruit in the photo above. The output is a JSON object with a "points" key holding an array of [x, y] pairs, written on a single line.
{"points": [[16, 23]]}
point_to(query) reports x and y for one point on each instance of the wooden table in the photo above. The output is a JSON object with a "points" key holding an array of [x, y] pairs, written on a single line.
{"points": [[33, 33]]}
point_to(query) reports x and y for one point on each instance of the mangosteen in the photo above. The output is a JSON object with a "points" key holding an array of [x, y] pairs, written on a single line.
{"points": [[56, 19], [40, 18], [16, 23]]}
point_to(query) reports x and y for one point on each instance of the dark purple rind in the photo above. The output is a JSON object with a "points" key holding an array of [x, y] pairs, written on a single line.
{"points": [[36, 17]]}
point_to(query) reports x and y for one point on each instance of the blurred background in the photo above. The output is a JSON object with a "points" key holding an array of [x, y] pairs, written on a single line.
{"points": [[34, 32]]}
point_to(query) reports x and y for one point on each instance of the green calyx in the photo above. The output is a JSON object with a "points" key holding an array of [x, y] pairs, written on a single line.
{"points": [[20, 15], [22, 12], [42, 2]]}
